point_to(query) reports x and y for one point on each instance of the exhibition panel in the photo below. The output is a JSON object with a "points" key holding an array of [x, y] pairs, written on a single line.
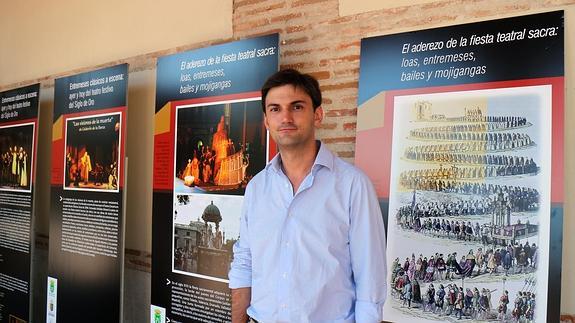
{"points": [[86, 251], [469, 124], [18, 147], [209, 141]]}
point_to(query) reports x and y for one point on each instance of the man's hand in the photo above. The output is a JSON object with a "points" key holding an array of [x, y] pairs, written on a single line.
{"points": [[240, 302]]}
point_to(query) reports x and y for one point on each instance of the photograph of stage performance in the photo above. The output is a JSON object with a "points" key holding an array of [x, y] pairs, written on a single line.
{"points": [[92, 150], [219, 147], [17, 156], [469, 206], [205, 229]]}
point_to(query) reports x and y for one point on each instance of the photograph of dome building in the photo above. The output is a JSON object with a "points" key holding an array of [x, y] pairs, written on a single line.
{"points": [[205, 229]]}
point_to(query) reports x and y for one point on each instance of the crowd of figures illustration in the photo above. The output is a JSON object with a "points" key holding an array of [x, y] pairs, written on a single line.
{"points": [[452, 301], [454, 230], [454, 172], [495, 141], [496, 123], [514, 201], [474, 159], [522, 141], [15, 164], [461, 190], [519, 198], [512, 259]]}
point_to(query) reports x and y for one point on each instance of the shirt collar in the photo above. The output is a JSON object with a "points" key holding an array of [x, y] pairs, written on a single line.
{"points": [[324, 158]]}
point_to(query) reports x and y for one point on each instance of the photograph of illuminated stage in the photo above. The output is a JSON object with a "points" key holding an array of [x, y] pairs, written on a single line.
{"points": [[219, 147], [16, 157], [92, 150]]}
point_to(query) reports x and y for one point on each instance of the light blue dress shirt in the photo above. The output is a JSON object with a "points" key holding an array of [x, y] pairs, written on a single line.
{"points": [[314, 256]]}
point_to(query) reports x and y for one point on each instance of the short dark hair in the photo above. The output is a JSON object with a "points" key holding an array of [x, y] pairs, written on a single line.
{"points": [[293, 77]]}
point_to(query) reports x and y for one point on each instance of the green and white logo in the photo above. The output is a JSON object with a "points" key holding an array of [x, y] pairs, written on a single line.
{"points": [[157, 314]]}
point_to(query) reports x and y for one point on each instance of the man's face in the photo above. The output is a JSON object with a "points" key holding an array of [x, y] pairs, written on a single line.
{"points": [[290, 117]]}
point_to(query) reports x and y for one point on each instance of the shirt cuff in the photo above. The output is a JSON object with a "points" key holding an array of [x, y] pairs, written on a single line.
{"points": [[239, 278], [367, 312]]}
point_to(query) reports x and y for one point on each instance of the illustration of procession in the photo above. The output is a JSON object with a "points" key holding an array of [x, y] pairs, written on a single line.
{"points": [[468, 207]]}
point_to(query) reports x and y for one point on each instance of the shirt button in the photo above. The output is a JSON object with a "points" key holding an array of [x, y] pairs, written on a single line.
{"points": [[284, 275]]}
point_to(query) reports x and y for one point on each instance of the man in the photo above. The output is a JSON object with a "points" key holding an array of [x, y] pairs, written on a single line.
{"points": [[459, 303], [430, 298], [502, 309], [312, 245], [85, 167]]}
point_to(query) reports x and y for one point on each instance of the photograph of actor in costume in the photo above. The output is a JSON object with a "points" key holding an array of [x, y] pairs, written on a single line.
{"points": [[16, 157], [92, 150]]}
